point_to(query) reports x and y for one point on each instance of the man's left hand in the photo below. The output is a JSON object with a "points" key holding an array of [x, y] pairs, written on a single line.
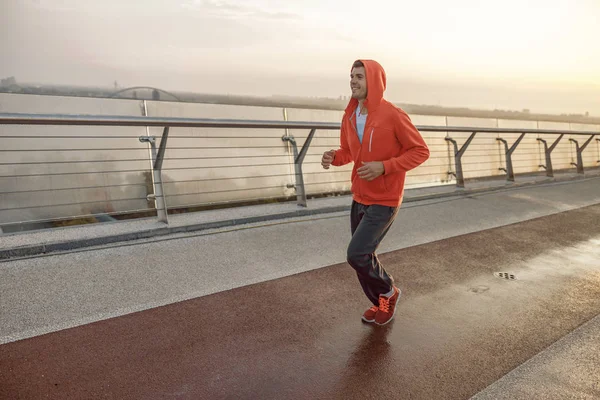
{"points": [[371, 170]]}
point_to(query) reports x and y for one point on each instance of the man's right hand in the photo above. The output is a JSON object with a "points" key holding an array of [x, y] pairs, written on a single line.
{"points": [[327, 158]]}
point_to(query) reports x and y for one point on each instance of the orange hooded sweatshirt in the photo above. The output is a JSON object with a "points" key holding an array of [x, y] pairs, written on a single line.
{"points": [[389, 136]]}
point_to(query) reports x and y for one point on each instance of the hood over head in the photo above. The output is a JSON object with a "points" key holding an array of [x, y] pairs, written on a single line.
{"points": [[376, 84]]}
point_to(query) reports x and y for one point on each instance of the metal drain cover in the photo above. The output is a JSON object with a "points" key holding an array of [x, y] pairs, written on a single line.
{"points": [[505, 275]]}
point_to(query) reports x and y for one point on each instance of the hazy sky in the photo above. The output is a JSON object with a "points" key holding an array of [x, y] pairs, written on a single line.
{"points": [[537, 54]]}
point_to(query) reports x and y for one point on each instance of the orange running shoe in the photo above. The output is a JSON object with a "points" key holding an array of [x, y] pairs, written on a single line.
{"points": [[369, 315], [387, 307]]}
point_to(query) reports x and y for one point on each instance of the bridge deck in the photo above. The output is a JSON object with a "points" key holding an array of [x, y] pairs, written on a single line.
{"points": [[214, 316]]}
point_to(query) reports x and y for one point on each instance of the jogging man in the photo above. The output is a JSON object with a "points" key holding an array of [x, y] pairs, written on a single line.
{"points": [[383, 144]]}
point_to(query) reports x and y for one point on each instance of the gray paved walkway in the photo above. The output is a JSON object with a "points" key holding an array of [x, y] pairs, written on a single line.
{"points": [[569, 369]]}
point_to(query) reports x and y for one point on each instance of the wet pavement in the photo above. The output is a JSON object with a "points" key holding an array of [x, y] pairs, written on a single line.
{"points": [[458, 330]]}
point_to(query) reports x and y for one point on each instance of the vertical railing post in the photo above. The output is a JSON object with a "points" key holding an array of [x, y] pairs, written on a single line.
{"points": [[149, 188], [548, 153], [298, 159], [157, 170], [157, 160], [510, 172], [287, 134], [458, 153], [579, 153]]}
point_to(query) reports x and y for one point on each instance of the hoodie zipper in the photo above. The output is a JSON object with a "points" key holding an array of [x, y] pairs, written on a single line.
{"points": [[352, 122], [371, 139], [355, 131]]}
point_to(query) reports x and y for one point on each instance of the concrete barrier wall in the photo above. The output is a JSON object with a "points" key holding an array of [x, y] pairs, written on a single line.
{"points": [[106, 169]]}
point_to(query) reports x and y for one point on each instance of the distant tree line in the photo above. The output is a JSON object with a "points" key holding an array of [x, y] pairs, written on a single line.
{"points": [[10, 85]]}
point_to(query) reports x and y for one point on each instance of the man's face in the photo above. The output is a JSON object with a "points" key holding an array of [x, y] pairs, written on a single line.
{"points": [[358, 83]]}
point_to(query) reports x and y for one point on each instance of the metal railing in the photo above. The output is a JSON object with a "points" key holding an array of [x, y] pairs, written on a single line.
{"points": [[158, 154]]}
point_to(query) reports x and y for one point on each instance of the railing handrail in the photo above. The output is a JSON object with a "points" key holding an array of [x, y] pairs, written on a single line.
{"points": [[113, 120], [158, 143]]}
